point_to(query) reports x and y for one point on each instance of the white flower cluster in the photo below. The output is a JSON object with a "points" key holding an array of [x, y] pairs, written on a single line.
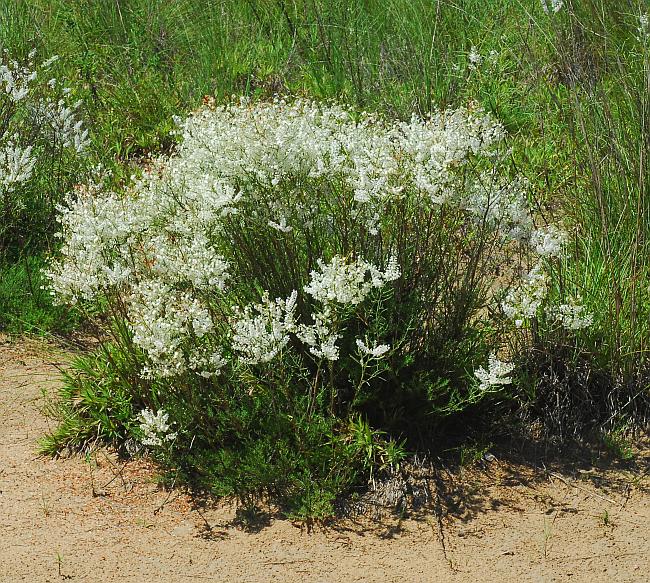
{"points": [[552, 6], [15, 79], [321, 336], [16, 164], [644, 28], [495, 375], [502, 205], [548, 241], [45, 107], [437, 145], [260, 336], [523, 301], [376, 351], [63, 122], [37, 112], [206, 364], [348, 282], [161, 320], [572, 316], [188, 259], [267, 143], [345, 283], [476, 59], [110, 241], [281, 225], [155, 427]]}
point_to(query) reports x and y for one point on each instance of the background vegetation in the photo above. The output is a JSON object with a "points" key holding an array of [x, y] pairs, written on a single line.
{"points": [[572, 88]]}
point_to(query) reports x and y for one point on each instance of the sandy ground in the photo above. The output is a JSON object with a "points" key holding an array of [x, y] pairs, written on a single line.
{"points": [[100, 519]]}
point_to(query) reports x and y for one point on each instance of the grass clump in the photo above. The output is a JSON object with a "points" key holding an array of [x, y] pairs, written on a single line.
{"points": [[93, 404], [25, 306]]}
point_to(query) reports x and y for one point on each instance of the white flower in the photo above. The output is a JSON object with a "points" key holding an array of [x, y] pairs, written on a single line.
{"points": [[475, 58], [281, 226], [172, 246], [501, 205], [495, 374], [523, 301], [49, 62], [262, 330], [62, 118], [321, 336], [548, 241], [16, 164], [644, 28], [206, 365], [155, 427], [572, 316], [16, 80], [26, 127], [553, 6], [348, 282], [96, 229], [377, 351], [391, 273], [162, 321], [188, 259], [167, 223]]}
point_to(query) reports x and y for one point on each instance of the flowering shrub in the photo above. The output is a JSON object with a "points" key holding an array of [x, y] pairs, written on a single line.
{"points": [[42, 139], [297, 264]]}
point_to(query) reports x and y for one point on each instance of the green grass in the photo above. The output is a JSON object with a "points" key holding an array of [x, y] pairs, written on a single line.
{"points": [[618, 445], [140, 62], [27, 308]]}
